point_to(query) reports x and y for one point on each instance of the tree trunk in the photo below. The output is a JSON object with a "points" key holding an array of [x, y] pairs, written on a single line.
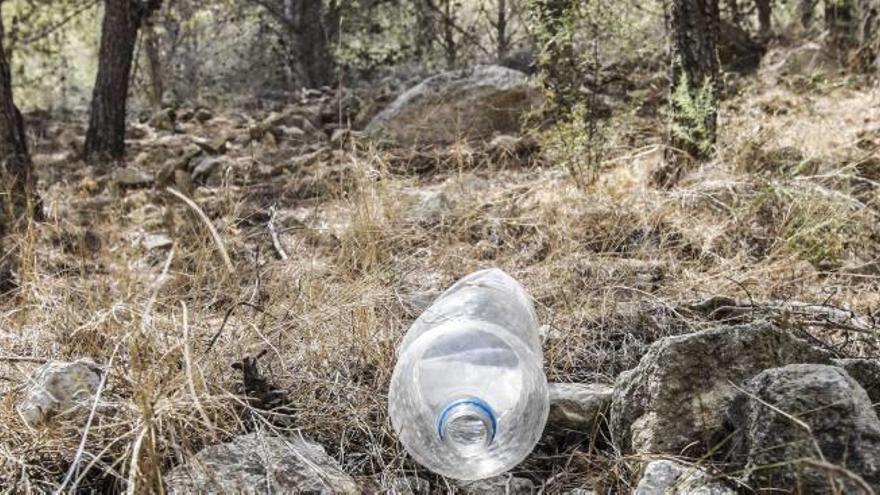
{"points": [[840, 22], [154, 67], [18, 184], [693, 30], [869, 34], [425, 29], [105, 138], [869, 17], [315, 41], [559, 62], [807, 10], [449, 45], [765, 17], [735, 14], [501, 26]]}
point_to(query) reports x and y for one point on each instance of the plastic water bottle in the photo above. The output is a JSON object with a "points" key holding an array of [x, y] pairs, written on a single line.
{"points": [[468, 397]]}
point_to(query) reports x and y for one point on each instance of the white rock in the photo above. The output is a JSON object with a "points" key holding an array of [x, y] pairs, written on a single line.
{"points": [[156, 241], [262, 464], [578, 406], [672, 478], [59, 388]]}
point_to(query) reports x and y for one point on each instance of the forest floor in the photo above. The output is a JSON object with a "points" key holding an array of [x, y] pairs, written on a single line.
{"points": [[333, 249]]}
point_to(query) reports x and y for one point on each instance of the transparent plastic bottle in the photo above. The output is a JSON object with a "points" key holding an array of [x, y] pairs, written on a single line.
{"points": [[468, 397]]}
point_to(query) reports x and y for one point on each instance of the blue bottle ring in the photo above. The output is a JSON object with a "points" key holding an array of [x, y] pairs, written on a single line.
{"points": [[472, 401]]}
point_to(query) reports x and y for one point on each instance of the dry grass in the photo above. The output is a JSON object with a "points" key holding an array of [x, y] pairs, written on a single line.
{"points": [[610, 268]]}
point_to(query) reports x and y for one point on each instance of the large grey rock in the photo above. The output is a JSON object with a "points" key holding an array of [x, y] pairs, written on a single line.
{"points": [[430, 207], [499, 485], [785, 414], [674, 401], [261, 464], [60, 389], [470, 104], [133, 178], [666, 477], [867, 373], [206, 168], [578, 406]]}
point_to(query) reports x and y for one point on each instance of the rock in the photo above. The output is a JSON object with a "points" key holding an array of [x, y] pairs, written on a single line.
{"points": [[59, 388], [163, 120], [203, 114], [674, 401], [258, 463], [137, 132], [431, 207], [133, 178], [867, 373], [808, 60], [183, 181], [156, 241], [578, 406], [293, 134], [776, 450], [672, 478], [206, 167], [522, 60], [470, 104], [499, 485], [215, 146], [340, 137]]}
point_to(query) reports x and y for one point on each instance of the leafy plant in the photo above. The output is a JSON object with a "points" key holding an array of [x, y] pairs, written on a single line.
{"points": [[691, 115]]}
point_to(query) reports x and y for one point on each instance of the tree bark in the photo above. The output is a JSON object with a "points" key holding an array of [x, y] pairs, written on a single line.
{"points": [[105, 138], [154, 67], [501, 26], [17, 168], [693, 31], [869, 17], [425, 29], [311, 29], [315, 41], [558, 62], [840, 22], [735, 14], [765, 17], [449, 44], [869, 34]]}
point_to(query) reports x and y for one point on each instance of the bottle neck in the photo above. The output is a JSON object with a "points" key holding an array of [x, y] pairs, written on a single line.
{"points": [[467, 425]]}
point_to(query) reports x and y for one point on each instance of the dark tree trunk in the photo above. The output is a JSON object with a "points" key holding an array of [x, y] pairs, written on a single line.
{"points": [[869, 17], [18, 184], [869, 34], [154, 67], [105, 138], [425, 29], [840, 22], [501, 26], [765, 17], [450, 46], [693, 31], [735, 14], [807, 10], [317, 30], [311, 30], [559, 63]]}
